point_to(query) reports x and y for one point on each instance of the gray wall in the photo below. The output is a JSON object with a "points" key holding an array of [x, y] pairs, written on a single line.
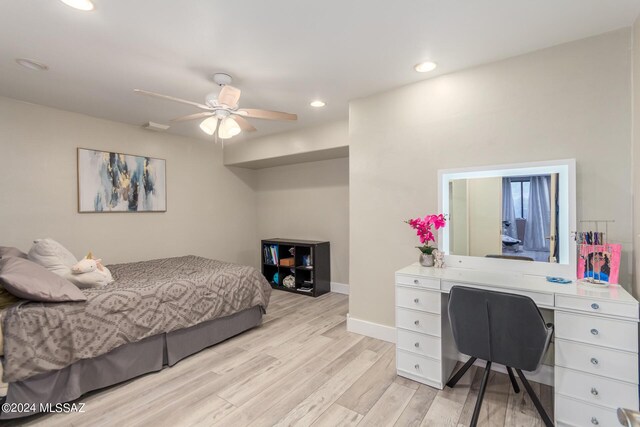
{"points": [[636, 154], [308, 201], [211, 209], [568, 101]]}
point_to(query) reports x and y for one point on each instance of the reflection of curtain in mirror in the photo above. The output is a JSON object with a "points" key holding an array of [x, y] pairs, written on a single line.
{"points": [[508, 209], [538, 222]]}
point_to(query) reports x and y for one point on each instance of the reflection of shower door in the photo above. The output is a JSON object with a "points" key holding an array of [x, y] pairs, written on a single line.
{"points": [[553, 226]]}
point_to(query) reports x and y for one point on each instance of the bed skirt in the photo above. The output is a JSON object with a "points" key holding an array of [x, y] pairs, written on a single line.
{"points": [[125, 362]]}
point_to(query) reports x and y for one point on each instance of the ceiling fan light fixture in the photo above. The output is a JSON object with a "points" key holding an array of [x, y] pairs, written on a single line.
{"points": [[317, 103], [228, 128], [425, 67], [208, 125], [84, 5]]}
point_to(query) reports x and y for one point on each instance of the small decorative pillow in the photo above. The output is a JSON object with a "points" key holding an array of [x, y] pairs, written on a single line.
{"points": [[52, 256], [28, 280], [90, 273], [7, 251]]}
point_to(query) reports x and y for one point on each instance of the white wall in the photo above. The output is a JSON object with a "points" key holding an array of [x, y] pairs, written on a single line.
{"points": [[322, 142], [211, 209], [308, 201], [568, 101], [636, 153]]}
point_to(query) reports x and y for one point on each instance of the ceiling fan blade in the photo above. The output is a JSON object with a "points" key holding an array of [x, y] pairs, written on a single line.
{"points": [[244, 124], [229, 96], [193, 116], [171, 98], [265, 114]]}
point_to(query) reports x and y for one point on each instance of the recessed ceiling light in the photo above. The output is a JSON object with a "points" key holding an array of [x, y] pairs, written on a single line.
{"points": [[32, 65], [85, 5], [425, 67], [317, 103]]}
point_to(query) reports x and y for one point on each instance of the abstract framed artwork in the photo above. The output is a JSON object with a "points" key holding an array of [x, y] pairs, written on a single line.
{"points": [[117, 182]]}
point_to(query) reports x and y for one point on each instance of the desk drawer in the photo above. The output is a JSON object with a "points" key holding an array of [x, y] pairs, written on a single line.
{"points": [[595, 389], [418, 299], [418, 321], [425, 345], [594, 305], [425, 282], [575, 413], [617, 334], [418, 365], [614, 364], [540, 298]]}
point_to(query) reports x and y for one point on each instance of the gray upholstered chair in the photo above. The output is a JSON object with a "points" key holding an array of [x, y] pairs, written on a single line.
{"points": [[500, 328]]}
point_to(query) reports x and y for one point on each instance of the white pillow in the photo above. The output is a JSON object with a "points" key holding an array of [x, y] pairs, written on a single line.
{"points": [[52, 256]]}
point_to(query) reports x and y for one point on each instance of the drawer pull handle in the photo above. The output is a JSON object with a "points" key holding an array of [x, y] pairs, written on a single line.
{"points": [[594, 332], [417, 366], [594, 361], [595, 307], [416, 281], [417, 323], [594, 391], [417, 300], [417, 344], [594, 421]]}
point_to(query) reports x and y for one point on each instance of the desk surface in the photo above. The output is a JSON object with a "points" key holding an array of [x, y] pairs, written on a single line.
{"points": [[519, 281]]}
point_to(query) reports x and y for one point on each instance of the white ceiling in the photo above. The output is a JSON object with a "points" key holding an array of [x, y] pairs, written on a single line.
{"points": [[282, 53]]}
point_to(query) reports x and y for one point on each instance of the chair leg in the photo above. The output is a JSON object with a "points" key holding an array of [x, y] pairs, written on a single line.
{"points": [[454, 379], [483, 387], [534, 398], [513, 380]]}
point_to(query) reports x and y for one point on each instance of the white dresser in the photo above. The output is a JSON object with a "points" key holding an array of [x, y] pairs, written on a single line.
{"points": [[596, 337]]}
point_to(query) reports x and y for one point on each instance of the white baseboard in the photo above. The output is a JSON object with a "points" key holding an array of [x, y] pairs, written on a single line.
{"points": [[340, 288], [544, 374], [370, 329]]}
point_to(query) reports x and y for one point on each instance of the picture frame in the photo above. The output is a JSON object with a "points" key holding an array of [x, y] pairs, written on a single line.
{"points": [[111, 182]]}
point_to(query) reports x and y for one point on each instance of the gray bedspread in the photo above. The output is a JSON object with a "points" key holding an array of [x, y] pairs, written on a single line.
{"points": [[146, 299]]}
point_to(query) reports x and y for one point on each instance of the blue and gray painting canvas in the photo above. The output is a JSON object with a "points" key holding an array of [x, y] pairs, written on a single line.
{"points": [[120, 182]]}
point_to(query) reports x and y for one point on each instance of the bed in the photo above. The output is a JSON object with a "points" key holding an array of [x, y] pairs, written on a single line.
{"points": [[154, 314]]}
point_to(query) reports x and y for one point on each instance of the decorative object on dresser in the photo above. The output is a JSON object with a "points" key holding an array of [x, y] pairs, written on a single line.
{"points": [[598, 259], [305, 262], [116, 182], [595, 369], [423, 227], [438, 259]]}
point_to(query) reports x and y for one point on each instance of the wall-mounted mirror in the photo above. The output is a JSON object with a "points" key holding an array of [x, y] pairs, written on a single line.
{"points": [[508, 213]]}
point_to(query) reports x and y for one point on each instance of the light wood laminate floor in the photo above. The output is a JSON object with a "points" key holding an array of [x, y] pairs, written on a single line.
{"points": [[300, 367]]}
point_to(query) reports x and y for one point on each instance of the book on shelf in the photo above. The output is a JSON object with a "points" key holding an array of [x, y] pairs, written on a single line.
{"points": [[270, 254], [305, 289]]}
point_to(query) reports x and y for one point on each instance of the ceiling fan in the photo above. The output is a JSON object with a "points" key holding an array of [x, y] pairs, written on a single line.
{"points": [[222, 112]]}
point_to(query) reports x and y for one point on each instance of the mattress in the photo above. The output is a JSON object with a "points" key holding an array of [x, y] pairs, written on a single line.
{"points": [[147, 298]]}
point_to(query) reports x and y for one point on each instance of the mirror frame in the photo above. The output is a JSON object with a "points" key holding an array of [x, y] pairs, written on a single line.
{"points": [[566, 222]]}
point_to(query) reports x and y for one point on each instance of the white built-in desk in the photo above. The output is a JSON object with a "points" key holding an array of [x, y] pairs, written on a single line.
{"points": [[595, 336]]}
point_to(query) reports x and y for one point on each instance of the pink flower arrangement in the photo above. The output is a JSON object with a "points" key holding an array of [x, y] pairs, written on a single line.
{"points": [[424, 226]]}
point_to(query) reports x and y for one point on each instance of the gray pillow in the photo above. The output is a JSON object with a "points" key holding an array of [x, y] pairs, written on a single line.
{"points": [[28, 280], [7, 251]]}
